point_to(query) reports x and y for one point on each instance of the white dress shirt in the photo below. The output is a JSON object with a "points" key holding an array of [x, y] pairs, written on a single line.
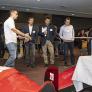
{"points": [[30, 29]]}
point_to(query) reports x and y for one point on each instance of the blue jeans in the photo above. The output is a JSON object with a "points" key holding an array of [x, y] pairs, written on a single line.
{"points": [[70, 46], [12, 48], [30, 53]]}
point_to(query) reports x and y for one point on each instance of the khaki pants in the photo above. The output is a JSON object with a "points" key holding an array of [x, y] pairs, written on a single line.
{"points": [[48, 45]]}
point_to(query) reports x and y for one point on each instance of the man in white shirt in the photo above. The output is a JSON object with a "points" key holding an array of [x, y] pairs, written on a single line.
{"points": [[10, 33], [67, 35]]}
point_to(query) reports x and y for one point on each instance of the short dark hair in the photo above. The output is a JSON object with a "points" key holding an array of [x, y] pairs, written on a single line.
{"points": [[48, 17], [67, 18], [13, 10], [31, 17]]}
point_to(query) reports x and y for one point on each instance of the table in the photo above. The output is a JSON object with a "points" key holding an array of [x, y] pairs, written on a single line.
{"points": [[83, 72]]}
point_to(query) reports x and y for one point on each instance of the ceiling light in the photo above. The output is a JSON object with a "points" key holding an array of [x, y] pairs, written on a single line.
{"points": [[38, 0], [73, 14], [27, 9], [3, 7]]}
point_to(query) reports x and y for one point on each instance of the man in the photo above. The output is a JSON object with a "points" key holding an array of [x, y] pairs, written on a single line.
{"points": [[47, 33], [67, 35], [32, 30], [84, 43], [10, 32], [90, 42], [56, 42], [1, 41]]}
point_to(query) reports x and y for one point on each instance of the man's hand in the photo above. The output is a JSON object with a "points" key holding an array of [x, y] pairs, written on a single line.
{"points": [[45, 32], [26, 40], [20, 37], [27, 37]]}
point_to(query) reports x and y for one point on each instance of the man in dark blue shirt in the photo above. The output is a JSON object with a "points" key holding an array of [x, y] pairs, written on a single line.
{"points": [[32, 30], [47, 33]]}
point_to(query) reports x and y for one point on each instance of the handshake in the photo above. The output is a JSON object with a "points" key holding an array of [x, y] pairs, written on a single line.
{"points": [[27, 37]]}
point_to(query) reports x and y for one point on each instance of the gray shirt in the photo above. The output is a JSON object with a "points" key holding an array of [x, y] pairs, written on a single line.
{"points": [[67, 33]]}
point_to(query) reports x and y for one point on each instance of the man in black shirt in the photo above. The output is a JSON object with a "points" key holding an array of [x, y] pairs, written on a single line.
{"points": [[90, 42], [32, 30], [47, 33], [1, 41]]}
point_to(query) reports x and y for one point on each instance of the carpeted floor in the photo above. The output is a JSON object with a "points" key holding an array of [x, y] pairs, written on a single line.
{"points": [[37, 73]]}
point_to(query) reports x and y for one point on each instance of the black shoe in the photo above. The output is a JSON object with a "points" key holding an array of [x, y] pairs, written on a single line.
{"points": [[46, 65], [28, 65], [65, 64], [32, 65], [73, 64], [56, 55]]}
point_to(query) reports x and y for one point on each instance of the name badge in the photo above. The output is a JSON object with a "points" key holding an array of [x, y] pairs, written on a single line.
{"points": [[33, 31], [68, 30], [51, 76], [51, 29], [44, 29]]}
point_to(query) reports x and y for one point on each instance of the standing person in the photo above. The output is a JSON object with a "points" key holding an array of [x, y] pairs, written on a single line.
{"points": [[47, 33], [84, 43], [67, 35], [79, 42], [56, 42], [10, 33], [32, 30], [1, 41], [90, 42]]}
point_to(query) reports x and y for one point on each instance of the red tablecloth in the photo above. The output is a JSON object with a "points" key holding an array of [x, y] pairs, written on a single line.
{"points": [[65, 78], [13, 81]]}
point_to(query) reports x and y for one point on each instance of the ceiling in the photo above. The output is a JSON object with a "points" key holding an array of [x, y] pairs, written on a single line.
{"points": [[80, 8]]}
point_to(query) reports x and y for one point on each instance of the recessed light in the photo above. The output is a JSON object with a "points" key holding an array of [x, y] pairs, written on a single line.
{"points": [[3, 7], [73, 14], [38, 0], [27, 9]]}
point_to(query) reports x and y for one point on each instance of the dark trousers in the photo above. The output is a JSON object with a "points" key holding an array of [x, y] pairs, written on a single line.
{"points": [[89, 47], [2, 50], [70, 46], [30, 53]]}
